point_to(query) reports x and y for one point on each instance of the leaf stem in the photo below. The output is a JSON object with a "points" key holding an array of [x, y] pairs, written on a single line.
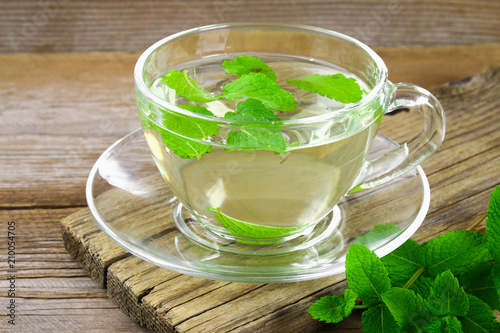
{"points": [[414, 277], [477, 222], [361, 306]]}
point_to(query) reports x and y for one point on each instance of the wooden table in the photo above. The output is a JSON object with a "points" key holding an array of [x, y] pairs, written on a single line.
{"points": [[59, 111]]}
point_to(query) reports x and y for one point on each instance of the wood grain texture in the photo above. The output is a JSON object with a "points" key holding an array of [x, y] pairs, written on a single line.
{"points": [[131, 26], [53, 293], [164, 301]]}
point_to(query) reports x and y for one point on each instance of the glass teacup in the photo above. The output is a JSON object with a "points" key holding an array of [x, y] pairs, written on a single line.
{"points": [[266, 182]]}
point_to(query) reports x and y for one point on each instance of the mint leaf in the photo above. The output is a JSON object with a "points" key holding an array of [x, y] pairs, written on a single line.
{"points": [[182, 129], [378, 233], [423, 286], [408, 308], [249, 230], [495, 276], [333, 309], [480, 282], [480, 318], [493, 224], [350, 298], [242, 65], [255, 136], [402, 263], [336, 86], [262, 88], [378, 319], [458, 251], [329, 309], [366, 274], [449, 324], [253, 110], [187, 87], [447, 297]]}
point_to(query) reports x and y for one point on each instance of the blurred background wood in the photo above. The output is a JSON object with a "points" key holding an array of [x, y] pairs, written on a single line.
{"points": [[66, 94], [131, 26]]}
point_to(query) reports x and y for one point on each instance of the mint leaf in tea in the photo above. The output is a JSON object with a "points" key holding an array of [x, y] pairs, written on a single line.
{"points": [[336, 86], [260, 87], [258, 135], [242, 65], [186, 87]]}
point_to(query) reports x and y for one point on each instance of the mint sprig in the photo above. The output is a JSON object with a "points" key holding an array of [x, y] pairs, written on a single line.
{"points": [[449, 284]]}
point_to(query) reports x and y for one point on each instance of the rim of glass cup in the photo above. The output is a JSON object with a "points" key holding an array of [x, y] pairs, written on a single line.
{"points": [[144, 89]]}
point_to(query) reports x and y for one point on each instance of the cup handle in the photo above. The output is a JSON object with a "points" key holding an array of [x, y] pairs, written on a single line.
{"points": [[414, 151]]}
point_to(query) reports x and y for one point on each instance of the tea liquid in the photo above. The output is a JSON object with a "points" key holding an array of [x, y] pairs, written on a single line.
{"points": [[296, 188]]}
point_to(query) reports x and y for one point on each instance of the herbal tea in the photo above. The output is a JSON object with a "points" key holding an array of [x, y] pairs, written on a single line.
{"points": [[271, 175]]}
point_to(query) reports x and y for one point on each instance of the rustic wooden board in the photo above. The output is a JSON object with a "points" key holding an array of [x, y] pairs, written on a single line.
{"points": [[461, 174], [53, 293], [131, 26]]}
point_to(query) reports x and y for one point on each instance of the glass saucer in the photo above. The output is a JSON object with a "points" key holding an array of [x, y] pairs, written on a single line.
{"points": [[132, 204]]}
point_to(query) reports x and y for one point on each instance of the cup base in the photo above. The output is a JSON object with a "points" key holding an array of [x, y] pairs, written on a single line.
{"points": [[195, 231]]}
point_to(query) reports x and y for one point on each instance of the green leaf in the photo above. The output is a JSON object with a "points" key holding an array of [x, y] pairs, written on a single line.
{"points": [[493, 224], [447, 297], [255, 136], [378, 319], [249, 230], [423, 286], [480, 317], [495, 298], [402, 263], [378, 233], [481, 283], [333, 309], [458, 251], [449, 324], [329, 309], [262, 88], [366, 274], [253, 110], [408, 308], [181, 129], [187, 87], [350, 298], [336, 86], [242, 65]]}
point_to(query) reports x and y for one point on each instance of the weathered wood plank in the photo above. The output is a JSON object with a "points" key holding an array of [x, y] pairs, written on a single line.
{"points": [[131, 26], [90, 247], [53, 293], [39, 248], [165, 301], [69, 315]]}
